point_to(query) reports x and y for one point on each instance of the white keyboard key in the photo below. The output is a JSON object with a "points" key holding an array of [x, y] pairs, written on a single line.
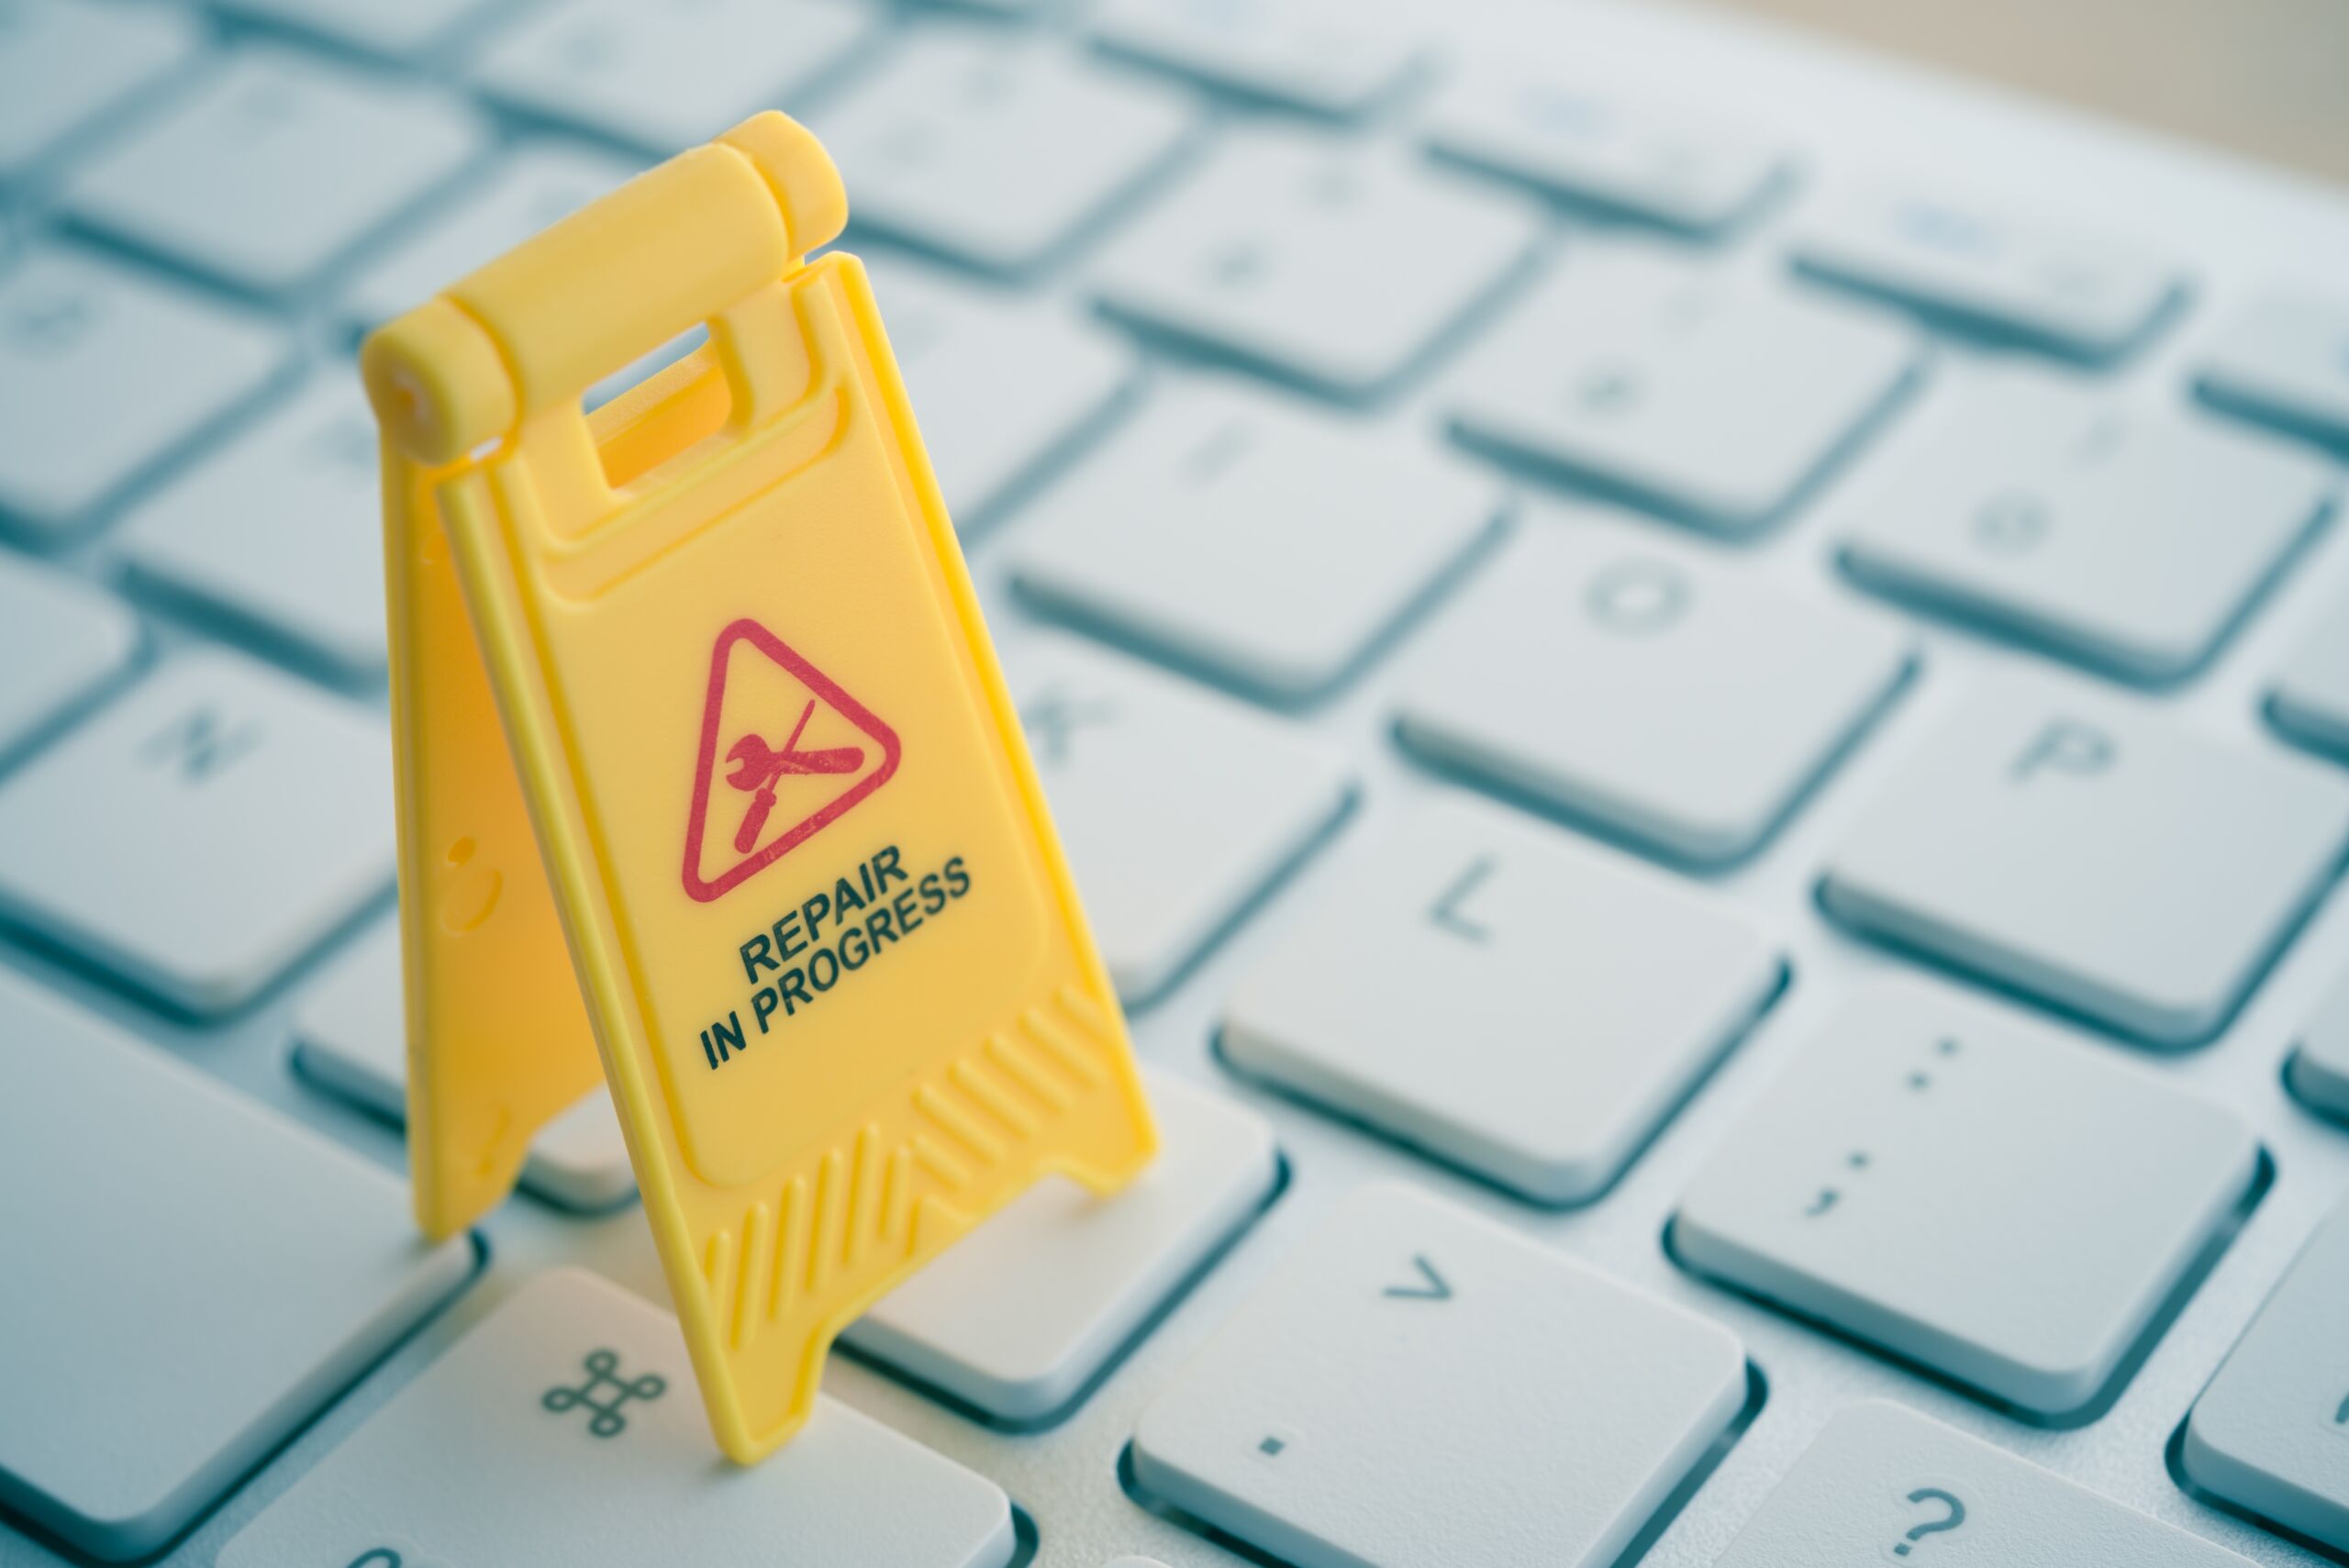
{"points": [[2087, 296], [1419, 1385], [408, 29], [534, 187], [2271, 1432], [1306, 257], [1018, 1318], [1717, 400], [1177, 808], [667, 76], [1003, 386], [2076, 848], [2309, 701], [350, 1038], [277, 165], [997, 154], [1329, 57], [202, 832], [189, 1279], [2132, 540], [281, 529], [1620, 680], [2319, 1067], [77, 334], [1881, 1484], [61, 642], [1543, 1007], [1246, 534], [63, 63], [1685, 171], [1973, 1191], [2282, 360], [564, 1427]]}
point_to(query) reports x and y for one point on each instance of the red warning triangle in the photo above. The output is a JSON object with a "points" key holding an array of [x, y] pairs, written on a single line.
{"points": [[784, 752]]}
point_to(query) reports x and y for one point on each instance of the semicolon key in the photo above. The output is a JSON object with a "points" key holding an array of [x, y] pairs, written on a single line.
{"points": [[1918, 1178]]}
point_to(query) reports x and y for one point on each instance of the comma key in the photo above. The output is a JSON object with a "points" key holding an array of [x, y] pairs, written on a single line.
{"points": [[2073, 846]]}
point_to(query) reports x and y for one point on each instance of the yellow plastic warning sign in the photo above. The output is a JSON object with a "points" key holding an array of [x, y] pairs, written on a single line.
{"points": [[709, 781]]}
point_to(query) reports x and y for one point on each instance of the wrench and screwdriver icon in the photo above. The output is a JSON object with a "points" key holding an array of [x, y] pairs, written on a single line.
{"points": [[761, 768]]}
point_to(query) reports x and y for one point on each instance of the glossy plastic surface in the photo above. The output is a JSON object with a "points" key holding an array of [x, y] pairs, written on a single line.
{"points": [[703, 756]]}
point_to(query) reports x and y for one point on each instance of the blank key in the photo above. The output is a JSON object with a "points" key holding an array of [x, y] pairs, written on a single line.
{"points": [[63, 63], [274, 165], [2319, 1067], [1296, 254], [1252, 536], [997, 154], [2309, 701], [1684, 170], [61, 642], [351, 1039], [1711, 398], [281, 529], [2038, 279], [2282, 360], [663, 77], [1973, 1191], [1882, 1485], [2132, 540], [408, 28], [2271, 1432], [566, 1427], [1020, 1316], [189, 1279], [203, 832], [2079, 848], [1327, 56], [535, 186], [1501, 995], [1004, 386], [77, 334], [1611, 675], [1178, 807], [1418, 1385]]}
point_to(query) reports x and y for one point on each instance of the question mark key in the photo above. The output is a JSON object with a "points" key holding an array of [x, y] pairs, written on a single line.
{"points": [[1928, 1513], [1883, 1483]]}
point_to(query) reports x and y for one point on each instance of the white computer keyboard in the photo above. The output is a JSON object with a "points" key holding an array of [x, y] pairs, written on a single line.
{"points": [[1699, 685]]}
